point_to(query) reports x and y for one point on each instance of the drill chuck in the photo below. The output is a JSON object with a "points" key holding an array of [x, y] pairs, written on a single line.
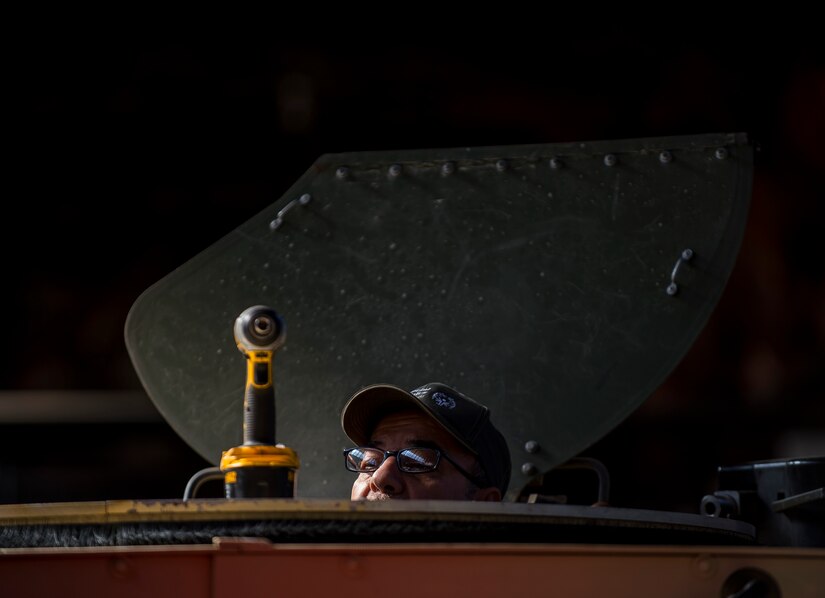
{"points": [[259, 328]]}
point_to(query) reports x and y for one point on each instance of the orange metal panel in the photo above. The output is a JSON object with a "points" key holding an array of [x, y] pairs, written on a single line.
{"points": [[254, 568], [131, 573]]}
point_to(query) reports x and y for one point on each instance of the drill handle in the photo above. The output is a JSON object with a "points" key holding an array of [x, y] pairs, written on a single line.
{"points": [[259, 400]]}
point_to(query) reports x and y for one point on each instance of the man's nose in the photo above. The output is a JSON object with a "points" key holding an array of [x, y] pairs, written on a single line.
{"points": [[387, 478]]}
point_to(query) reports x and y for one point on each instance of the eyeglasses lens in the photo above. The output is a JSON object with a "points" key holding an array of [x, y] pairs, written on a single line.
{"points": [[364, 459], [418, 460]]}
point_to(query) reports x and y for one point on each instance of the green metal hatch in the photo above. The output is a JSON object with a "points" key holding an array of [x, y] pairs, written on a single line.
{"points": [[559, 284]]}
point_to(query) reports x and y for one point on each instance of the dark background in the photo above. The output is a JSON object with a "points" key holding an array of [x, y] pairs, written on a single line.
{"points": [[132, 153]]}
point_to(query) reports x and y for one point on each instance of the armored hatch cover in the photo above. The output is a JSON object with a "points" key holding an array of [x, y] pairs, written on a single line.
{"points": [[559, 284]]}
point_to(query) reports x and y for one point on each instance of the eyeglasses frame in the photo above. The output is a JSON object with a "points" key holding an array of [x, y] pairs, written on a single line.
{"points": [[478, 481]]}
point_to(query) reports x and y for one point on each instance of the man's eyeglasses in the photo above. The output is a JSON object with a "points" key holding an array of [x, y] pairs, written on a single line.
{"points": [[366, 459]]}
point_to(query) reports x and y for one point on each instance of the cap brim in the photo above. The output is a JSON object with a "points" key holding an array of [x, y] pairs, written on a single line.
{"points": [[367, 406]]}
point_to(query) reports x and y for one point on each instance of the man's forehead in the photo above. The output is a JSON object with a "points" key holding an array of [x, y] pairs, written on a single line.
{"points": [[408, 426]]}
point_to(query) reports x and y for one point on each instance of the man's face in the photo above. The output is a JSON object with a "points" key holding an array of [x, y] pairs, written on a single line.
{"points": [[408, 429]]}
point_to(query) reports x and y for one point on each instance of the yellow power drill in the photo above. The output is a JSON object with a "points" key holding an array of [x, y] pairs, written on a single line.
{"points": [[259, 468]]}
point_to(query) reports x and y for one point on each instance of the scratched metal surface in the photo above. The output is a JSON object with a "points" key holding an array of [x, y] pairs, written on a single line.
{"points": [[536, 286]]}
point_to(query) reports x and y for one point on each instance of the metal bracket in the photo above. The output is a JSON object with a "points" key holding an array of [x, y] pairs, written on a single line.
{"points": [[798, 500], [279, 218], [685, 257]]}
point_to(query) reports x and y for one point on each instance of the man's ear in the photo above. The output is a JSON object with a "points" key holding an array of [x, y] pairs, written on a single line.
{"points": [[491, 493]]}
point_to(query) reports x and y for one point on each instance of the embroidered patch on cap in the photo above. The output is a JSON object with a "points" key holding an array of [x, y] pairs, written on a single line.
{"points": [[420, 392], [444, 400]]}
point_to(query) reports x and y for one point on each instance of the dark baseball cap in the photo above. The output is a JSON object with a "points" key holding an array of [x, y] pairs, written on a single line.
{"points": [[464, 419]]}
